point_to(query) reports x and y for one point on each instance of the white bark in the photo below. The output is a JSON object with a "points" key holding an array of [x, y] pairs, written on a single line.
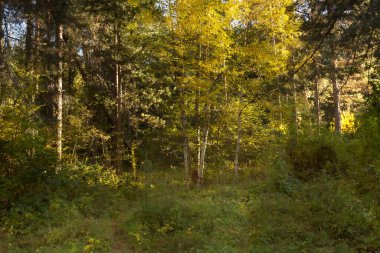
{"points": [[204, 147], [60, 90]]}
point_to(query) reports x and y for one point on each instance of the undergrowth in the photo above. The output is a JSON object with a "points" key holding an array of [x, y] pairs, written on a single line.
{"points": [[326, 206]]}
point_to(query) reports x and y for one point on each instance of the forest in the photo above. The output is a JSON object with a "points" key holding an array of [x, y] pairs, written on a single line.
{"points": [[189, 126]]}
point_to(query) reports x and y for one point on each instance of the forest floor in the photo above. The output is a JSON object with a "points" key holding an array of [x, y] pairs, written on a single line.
{"points": [[254, 215]]}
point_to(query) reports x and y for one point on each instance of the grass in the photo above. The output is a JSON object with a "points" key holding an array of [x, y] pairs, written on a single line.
{"points": [[281, 214]]}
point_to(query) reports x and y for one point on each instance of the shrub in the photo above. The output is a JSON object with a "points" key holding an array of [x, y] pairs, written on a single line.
{"points": [[313, 156], [23, 145]]}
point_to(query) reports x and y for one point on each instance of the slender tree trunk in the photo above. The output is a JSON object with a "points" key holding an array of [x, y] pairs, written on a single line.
{"points": [[225, 83], [336, 93], [119, 130], [29, 47], [37, 42], [134, 159], [280, 105], [317, 107], [197, 121], [204, 147], [2, 42], [186, 151], [48, 98], [237, 151], [294, 125], [2, 51], [29, 39], [198, 126], [59, 44]]}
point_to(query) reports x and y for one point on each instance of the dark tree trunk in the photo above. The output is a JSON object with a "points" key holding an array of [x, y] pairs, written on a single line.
{"points": [[317, 107], [237, 151], [2, 51], [29, 38], [186, 150], [2, 42], [336, 93]]}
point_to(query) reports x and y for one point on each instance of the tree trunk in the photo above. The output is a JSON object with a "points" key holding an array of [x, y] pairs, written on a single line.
{"points": [[204, 147], [294, 124], [134, 159], [280, 106], [198, 126], [59, 44], [185, 140], [119, 131], [2, 42], [2, 51], [336, 93], [225, 83], [237, 151], [37, 42], [29, 39], [317, 107]]}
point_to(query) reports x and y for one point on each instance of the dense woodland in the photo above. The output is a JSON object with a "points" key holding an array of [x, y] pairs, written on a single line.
{"points": [[189, 126]]}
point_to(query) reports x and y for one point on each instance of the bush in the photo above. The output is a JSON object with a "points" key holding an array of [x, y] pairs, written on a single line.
{"points": [[322, 215], [23, 147], [314, 156]]}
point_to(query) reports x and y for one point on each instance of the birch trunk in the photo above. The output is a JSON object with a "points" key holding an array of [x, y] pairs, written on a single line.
{"points": [[59, 89], [119, 133], [204, 147], [198, 126]]}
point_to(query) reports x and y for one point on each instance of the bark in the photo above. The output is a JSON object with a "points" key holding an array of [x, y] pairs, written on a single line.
{"points": [[59, 45], [197, 121], [48, 98], [317, 107], [29, 39], [185, 140], [37, 42], [225, 83], [336, 93], [2, 42], [119, 131], [294, 127], [198, 126], [134, 160], [204, 147], [2, 51], [280, 106], [237, 151]]}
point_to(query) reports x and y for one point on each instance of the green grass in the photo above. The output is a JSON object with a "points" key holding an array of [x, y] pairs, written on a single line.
{"points": [[281, 214]]}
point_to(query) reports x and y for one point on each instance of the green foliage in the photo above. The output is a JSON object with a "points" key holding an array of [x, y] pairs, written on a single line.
{"points": [[144, 81], [72, 213], [23, 145], [316, 155], [319, 216]]}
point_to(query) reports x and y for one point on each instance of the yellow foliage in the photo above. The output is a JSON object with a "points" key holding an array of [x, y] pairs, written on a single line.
{"points": [[348, 123]]}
